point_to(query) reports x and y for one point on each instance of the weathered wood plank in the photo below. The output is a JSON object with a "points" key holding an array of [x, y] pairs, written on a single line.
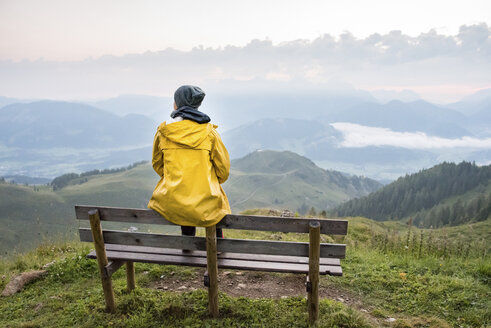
{"points": [[120, 214], [314, 251], [212, 269], [279, 224], [130, 276], [222, 263], [97, 236], [231, 221], [225, 255], [224, 245]]}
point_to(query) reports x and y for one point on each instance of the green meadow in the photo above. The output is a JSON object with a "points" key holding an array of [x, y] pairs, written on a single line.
{"points": [[395, 275]]}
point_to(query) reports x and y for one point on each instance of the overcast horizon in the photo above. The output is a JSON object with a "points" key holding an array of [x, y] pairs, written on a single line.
{"points": [[66, 49]]}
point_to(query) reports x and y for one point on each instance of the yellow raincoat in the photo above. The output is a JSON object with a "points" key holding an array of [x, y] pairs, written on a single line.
{"points": [[192, 163]]}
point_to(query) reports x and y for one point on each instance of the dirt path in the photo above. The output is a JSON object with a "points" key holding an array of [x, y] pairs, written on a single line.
{"points": [[262, 285]]}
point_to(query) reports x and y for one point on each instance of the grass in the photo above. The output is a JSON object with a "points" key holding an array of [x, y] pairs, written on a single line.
{"points": [[400, 270], [70, 296], [400, 239], [454, 290], [151, 308], [427, 290]]}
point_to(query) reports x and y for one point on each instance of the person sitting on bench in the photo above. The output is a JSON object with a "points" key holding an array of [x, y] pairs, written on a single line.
{"points": [[192, 162]]}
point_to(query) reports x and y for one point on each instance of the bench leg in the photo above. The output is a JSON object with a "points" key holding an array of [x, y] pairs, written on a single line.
{"points": [[313, 279], [211, 256], [130, 276], [100, 250]]}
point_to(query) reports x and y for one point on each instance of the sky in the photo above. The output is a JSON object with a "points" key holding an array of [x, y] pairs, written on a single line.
{"points": [[75, 30], [65, 49]]}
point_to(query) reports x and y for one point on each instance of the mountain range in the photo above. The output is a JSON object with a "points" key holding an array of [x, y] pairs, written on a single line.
{"points": [[313, 139], [49, 138], [50, 124]]}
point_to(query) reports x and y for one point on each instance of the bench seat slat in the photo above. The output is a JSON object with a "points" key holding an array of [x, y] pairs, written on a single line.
{"points": [[224, 245], [222, 263], [230, 256], [231, 221]]}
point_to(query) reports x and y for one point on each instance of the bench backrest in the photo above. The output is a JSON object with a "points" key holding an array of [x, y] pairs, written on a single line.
{"points": [[231, 221]]}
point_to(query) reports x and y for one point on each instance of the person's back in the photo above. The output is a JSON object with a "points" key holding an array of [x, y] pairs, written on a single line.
{"points": [[192, 162]]}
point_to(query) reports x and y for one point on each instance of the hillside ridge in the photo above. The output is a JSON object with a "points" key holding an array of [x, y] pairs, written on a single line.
{"points": [[465, 187]]}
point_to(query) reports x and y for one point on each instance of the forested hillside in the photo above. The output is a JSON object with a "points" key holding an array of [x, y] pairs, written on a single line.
{"points": [[447, 194]]}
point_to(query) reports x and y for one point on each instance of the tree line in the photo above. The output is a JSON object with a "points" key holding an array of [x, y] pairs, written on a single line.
{"points": [[430, 197], [75, 178]]}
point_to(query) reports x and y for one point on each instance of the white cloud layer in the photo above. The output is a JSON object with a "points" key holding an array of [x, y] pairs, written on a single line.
{"points": [[357, 136], [439, 67]]}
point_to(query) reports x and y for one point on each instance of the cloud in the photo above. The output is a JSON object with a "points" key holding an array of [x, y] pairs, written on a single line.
{"points": [[390, 60], [357, 136]]}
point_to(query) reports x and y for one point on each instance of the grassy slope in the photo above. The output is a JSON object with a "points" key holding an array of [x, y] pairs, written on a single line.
{"points": [[28, 217], [285, 180], [424, 290], [131, 188], [23, 216], [281, 191]]}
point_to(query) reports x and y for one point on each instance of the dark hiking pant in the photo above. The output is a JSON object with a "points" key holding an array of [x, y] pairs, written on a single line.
{"points": [[191, 231]]}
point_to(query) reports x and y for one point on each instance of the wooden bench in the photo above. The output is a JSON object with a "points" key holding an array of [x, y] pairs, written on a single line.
{"points": [[113, 249]]}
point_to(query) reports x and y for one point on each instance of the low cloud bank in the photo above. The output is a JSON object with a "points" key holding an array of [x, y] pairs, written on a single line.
{"points": [[357, 136], [432, 64]]}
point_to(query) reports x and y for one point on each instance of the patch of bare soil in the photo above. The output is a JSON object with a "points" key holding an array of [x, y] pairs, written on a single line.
{"points": [[260, 285], [250, 285]]}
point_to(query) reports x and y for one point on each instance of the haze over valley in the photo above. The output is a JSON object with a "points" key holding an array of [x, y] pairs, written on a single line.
{"points": [[351, 132]]}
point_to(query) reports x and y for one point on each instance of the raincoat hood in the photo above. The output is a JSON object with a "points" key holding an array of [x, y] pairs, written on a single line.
{"points": [[186, 133]]}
